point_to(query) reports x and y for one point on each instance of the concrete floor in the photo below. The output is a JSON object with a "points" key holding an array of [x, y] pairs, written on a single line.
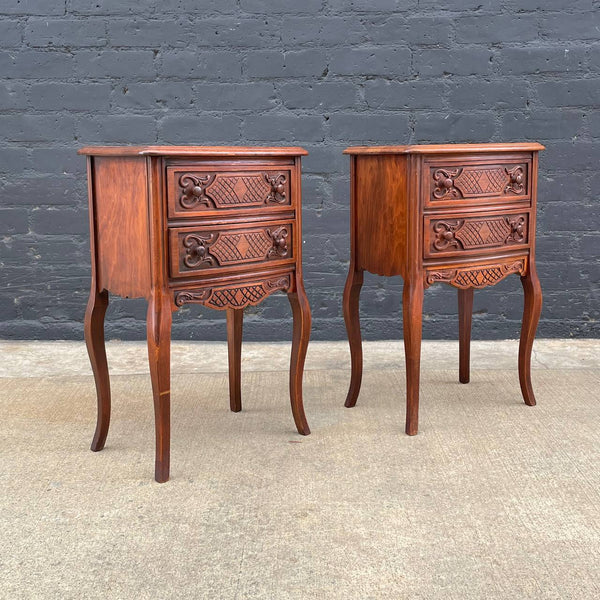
{"points": [[492, 500], [39, 359]]}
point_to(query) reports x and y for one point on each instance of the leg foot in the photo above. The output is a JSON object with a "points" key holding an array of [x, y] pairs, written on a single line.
{"points": [[412, 315], [465, 314], [159, 357], [94, 339], [531, 315], [301, 335], [234, 348], [351, 317]]}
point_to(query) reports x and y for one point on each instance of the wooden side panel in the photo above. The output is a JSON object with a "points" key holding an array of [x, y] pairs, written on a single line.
{"points": [[122, 228], [381, 213]]}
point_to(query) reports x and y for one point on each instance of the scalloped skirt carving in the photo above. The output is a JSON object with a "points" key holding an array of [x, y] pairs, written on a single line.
{"points": [[479, 276], [233, 296]]}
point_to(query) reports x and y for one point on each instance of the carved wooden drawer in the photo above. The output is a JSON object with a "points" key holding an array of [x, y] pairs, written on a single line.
{"points": [[236, 295], [194, 191], [474, 234], [459, 183], [195, 250], [473, 275]]}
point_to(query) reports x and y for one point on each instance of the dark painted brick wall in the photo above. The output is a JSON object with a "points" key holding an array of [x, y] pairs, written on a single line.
{"points": [[318, 73]]}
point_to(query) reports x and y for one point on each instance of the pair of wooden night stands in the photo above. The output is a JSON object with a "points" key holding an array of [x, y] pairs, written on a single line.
{"points": [[222, 227]]}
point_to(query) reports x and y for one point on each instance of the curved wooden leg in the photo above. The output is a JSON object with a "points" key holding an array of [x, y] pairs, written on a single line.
{"points": [[159, 356], [94, 339], [465, 314], [235, 319], [531, 315], [351, 317], [301, 335], [412, 315]]}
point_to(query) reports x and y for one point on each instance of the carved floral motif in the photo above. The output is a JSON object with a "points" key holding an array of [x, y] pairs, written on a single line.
{"points": [[280, 247], [193, 189], [474, 277], [518, 229], [233, 296], [517, 178], [277, 193], [197, 250], [444, 183], [444, 234]]}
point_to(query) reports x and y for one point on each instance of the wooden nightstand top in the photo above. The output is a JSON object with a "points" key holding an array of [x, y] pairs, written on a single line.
{"points": [[445, 148], [192, 151]]}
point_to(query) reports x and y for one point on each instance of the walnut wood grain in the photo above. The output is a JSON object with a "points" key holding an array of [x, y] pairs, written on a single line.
{"points": [[121, 222], [460, 214], [255, 252], [381, 214]]}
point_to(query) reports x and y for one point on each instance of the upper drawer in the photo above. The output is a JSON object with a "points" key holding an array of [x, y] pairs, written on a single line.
{"points": [[194, 191], [456, 183]]}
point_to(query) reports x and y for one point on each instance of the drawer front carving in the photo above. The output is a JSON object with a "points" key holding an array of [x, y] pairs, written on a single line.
{"points": [[195, 192], [474, 184], [197, 249], [479, 276], [473, 234], [233, 295]]}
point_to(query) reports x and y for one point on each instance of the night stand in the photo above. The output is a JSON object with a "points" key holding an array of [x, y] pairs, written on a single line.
{"points": [[461, 214], [218, 226]]}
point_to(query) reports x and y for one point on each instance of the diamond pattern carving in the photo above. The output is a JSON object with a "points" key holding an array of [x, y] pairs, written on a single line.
{"points": [[483, 233], [243, 189], [246, 246], [476, 182]]}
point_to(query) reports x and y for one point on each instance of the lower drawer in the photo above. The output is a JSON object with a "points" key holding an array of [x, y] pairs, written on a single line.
{"points": [[195, 250], [237, 293], [476, 275], [474, 234]]}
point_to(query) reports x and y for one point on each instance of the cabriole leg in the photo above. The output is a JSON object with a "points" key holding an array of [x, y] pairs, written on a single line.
{"points": [[532, 309], [351, 317], [159, 356], [465, 315], [234, 348], [301, 335], [94, 339], [412, 315]]}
